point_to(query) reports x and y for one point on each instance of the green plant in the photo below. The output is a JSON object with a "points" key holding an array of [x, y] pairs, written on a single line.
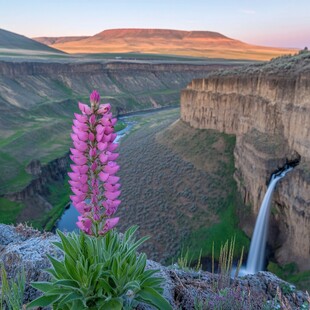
{"points": [[100, 273], [185, 262], [12, 292]]}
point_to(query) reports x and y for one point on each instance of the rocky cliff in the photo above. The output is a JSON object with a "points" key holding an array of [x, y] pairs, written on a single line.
{"points": [[267, 107]]}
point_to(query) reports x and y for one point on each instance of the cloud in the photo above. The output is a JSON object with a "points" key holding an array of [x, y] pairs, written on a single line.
{"points": [[248, 11]]}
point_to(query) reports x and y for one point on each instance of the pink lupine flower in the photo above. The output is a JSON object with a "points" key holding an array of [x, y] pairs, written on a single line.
{"points": [[92, 180]]}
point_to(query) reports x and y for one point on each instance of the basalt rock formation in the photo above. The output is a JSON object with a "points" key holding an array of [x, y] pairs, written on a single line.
{"points": [[267, 107], [23, 247]]}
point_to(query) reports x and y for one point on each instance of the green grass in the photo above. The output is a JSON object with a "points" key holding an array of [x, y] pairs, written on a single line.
{"points": [[9, 210], [203, 238], [211, 152], [290, 273]]}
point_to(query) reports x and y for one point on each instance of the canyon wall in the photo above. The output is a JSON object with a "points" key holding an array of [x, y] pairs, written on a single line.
{"points": [[267, 107], [33, 196]]}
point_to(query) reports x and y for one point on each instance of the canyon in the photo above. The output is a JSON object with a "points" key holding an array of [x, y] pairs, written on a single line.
{"points": [[267, 107], [37, 102]]}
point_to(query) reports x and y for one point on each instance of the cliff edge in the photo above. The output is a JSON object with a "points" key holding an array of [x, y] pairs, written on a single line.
{"points": [[267, 107], [23, 247]]}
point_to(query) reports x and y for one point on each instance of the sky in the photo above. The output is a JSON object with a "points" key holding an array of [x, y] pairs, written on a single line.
{"points": [[279, 23]]}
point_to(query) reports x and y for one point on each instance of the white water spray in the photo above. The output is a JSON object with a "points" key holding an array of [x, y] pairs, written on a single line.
{"points": [[256, 256]]}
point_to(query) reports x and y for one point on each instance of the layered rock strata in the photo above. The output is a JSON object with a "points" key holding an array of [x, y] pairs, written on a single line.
{"points": [[267, 107]]}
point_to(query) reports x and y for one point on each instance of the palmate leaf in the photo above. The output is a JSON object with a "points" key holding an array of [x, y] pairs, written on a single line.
{"points": [[152, 297]]}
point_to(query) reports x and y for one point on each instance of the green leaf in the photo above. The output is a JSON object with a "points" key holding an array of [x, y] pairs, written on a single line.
{"points": [[69, 298], [152, 282], [58, 267], [43, 301], [68, 248], [69, 283], [150, 296], [42, 286], [112, 304], [106, 286]]}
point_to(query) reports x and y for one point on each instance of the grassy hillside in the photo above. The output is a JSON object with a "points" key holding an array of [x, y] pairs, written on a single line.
{"points": [[177, 185], [13, 41]]}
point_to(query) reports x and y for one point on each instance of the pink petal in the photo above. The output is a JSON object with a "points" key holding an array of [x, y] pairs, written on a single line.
{"points": [[103, 176], [91, 136], [99, 137], [92, 119], [80, 145], [111, 169], [85, 109], [112, 195], [79, 125], [112, 147], [112, 156], [83, 169], [108, 130], [94, 166], [75, 168], [104, 108], [112, 188], [113, 121], [99, 128], [79, 160], [105, 121], [83, 178], [102, 146], [94, 97], [74, 137], [74, 176], [106, 138], [75, 152], [81, 118], [82, 135], [103, 158], [112, 179], [113, 136]]}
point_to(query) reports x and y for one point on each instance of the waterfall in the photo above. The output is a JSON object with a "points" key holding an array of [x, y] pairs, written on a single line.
{"points": [[256, 256]]}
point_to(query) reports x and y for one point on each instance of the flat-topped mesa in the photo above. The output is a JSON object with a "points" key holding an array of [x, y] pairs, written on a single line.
{"points": [[267, 106]]}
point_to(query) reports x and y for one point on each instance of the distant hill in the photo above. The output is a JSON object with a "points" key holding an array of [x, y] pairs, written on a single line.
{"points": [[165, 41], [15, 42], [56, 40]]}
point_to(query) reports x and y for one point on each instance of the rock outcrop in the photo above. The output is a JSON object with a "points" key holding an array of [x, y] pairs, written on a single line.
{"points": [[267, 107], [24, 248], [34, 194]]}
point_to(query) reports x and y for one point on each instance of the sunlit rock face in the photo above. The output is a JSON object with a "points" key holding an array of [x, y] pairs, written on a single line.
{"points": [[267, 107]]}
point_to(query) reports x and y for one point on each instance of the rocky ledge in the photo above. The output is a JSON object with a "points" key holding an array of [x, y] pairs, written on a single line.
{"points": [[23, 247]]}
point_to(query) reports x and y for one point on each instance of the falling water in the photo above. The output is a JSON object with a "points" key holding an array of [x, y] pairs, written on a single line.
{"points": [[256, 256]]}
